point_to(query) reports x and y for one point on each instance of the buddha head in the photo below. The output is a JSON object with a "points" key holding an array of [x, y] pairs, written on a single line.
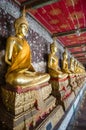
{"points": [[53, 47], [21, 24], [71, 60], [65, 56], [75, 62]]}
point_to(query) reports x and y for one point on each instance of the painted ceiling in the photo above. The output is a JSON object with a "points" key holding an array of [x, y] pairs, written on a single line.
{"points": [[66, 20]]}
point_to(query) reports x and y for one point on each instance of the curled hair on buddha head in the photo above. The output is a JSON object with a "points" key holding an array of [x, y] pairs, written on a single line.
{"points": [[21, 20]]}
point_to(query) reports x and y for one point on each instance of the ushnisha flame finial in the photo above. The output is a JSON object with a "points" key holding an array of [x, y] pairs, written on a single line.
{"points": [[21, 20], [24, 12], [54, 39]]}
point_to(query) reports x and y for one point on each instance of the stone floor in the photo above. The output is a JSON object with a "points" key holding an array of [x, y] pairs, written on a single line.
{"points": [[78, 121]]}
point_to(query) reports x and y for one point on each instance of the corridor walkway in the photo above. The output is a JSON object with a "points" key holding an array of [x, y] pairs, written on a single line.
{"points": [[78, 121]]}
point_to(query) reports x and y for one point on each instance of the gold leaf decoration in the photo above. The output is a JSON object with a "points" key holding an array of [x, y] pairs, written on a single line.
{"points": [[74, 42], [81, 38], [70, 36], [55, 12], [63, 26], [78, 14], [54, 21], [71, 2]]}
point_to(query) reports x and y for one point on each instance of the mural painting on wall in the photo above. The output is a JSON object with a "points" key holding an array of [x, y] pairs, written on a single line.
{"points": [[5, 29]]}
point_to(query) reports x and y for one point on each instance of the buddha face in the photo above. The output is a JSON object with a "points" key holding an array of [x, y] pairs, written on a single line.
{"points": [[71, 60], [65, 56], [53, 49], [23, 29]]}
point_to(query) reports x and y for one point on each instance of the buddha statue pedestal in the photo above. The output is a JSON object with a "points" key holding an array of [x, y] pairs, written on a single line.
{"points": [[79, 83], [52, 119], [73, 83], [25, 106], [82, 79], [62, 91]]}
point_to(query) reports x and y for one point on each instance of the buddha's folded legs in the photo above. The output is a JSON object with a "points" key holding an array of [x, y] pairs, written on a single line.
{"points": [[27, 79]]}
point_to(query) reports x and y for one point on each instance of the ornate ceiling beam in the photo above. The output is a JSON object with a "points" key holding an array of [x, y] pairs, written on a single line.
{"points": [[68, 32], [82, 61], [76, 45], [84, 58], [79, 57], [37, 3], [78, 52]]}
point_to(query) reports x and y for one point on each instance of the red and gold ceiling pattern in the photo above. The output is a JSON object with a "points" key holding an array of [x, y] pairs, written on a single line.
{"points": [[63, 16], [73, 39]]}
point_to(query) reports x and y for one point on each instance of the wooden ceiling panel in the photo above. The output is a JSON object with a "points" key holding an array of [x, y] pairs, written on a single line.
{"points": [[75, 49], [79, 54], [73, 39]]}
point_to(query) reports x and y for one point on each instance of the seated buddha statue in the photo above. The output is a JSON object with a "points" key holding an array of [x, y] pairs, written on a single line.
{"points": [[72, 65], [18, 57], [76, 70], [53, 67], [65, 63]]}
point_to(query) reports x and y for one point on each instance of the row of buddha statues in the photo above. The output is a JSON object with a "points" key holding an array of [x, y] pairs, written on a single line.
{"points": [[18, 58], [26, 88], [20, 69], [53, 65]]}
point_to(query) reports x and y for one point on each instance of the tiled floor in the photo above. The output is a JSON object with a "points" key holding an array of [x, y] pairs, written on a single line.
{"points": [[78, 121]]}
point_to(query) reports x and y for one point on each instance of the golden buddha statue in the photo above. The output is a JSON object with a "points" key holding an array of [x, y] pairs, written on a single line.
{"points": [[78, 68], [75, 66], [53, 67], [72, 65], [65, 63], [18, 57]]}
